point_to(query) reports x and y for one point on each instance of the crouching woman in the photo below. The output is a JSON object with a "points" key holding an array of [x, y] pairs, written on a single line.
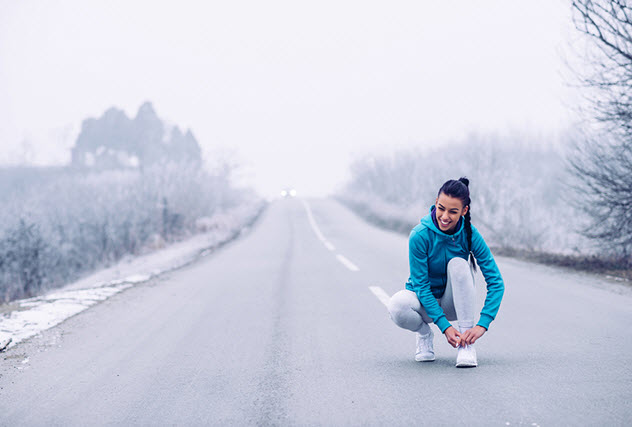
{"points": [[441, 288]]}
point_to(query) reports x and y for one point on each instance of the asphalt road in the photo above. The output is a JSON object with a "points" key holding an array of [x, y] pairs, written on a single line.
{"points": [[278, 328]]}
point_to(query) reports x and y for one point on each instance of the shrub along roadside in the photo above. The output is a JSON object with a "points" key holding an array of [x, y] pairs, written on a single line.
{"points": [[591, 263], [74, 223]]}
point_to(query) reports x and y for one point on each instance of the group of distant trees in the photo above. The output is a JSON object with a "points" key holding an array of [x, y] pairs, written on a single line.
{"points": [[115, 141], [58, 224]]}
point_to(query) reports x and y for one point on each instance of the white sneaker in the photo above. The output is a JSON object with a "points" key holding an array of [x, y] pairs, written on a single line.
{"points": [[425, 347], [466, 357]]}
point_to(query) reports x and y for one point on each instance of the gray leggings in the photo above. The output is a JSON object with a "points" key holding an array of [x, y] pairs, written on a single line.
{"points": [[457, 302]]}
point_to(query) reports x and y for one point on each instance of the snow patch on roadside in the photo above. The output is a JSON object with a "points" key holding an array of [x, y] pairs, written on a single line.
{"points": [[34, 315], [37, 314]]}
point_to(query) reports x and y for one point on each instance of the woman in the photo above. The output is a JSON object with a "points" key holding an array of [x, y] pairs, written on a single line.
{"points": [[441, 283]]}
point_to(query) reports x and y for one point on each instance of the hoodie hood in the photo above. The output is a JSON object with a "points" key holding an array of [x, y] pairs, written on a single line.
{"points": [[429, 223]]}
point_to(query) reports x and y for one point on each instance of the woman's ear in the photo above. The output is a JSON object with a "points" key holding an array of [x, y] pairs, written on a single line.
{"points": [[465, 209]]}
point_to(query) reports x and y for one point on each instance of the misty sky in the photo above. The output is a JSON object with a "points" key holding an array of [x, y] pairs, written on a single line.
{"points": [[290, 89]]}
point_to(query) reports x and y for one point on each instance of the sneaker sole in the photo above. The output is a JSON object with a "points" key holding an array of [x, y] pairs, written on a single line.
{"points": [[424, 360], [467, 365]]}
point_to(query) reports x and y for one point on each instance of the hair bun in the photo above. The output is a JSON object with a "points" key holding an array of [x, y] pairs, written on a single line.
{"points": [[465, 181]]}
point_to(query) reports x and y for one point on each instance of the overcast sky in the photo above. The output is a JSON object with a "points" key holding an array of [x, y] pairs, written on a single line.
{"points": [[292, 89]]}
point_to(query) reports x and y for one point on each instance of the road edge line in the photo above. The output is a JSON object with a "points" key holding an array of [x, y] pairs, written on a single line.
{"points": [[381, 295]]}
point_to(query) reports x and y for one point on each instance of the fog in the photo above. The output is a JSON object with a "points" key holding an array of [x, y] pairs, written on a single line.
{"points": [[292, 92], [127, 126]]}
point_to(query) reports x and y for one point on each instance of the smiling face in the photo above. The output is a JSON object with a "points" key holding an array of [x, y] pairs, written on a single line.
{"points": [[448, 211]]}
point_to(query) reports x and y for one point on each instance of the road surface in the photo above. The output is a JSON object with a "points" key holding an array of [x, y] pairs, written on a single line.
{"points": [[281, 328]]}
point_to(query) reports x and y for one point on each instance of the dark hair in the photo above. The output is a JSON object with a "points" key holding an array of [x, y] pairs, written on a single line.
{"points": [[459, 189]]}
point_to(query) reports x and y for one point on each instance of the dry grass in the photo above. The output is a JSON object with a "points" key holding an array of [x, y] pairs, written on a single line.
{"points": [[616, 267]]}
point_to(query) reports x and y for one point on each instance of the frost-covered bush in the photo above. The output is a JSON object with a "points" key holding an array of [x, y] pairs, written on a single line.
{"points": [[517, 189], [23, 258], [70, 223]]}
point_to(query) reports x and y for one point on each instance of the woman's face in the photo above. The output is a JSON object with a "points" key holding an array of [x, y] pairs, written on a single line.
{"points": [[448, 211]]}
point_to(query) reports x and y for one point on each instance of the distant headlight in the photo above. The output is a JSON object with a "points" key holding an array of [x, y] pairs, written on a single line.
{"points": [[293, 193], [284, 193]]}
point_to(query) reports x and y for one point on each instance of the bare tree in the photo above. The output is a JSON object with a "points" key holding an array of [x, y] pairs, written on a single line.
{"points": [[602, 161]]}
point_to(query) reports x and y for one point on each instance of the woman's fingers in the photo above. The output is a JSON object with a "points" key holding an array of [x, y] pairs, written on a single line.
{"points": [[457, 339], [453, 336], [471, 335]]}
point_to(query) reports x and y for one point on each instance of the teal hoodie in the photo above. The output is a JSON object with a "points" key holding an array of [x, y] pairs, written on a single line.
{"points": [[430, 249]]}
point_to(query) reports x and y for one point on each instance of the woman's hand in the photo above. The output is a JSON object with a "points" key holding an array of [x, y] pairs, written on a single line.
{"points": [[453, 336], [471, 335]]}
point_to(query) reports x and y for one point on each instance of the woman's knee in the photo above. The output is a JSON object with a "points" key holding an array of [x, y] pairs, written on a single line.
{"points": [[404, 300], [403, 308], [460, 270]]}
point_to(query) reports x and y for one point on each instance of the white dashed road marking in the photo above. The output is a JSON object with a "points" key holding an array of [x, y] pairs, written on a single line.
{"points": [[351, 266], [312, 222], [380, 294], [343, 260]]}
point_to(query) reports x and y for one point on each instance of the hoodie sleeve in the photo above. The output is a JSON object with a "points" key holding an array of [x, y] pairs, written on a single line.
{"points": [[493, 279], [418, 259]]}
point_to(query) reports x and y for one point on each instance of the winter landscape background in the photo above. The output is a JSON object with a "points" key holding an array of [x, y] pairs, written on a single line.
{"points": [[134, 186], [206, 207], [378, 115]]}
